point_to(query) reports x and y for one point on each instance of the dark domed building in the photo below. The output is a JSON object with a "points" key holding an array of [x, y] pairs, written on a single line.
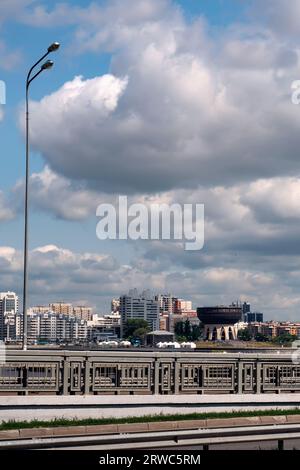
{"points": [[220, 323]]}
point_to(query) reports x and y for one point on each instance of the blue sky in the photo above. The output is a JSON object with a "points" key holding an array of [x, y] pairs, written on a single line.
{"points": [[226, 68], [31, 42]]}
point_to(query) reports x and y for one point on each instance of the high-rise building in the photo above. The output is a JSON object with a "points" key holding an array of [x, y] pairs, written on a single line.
{"points": [[106, 327], [246, 308], [19, 326], [139, 306], [61, 308], [254, 317], [166, 303], [48, 331], [51, 328], [115, 305], [182, 306], [9, 304], [83, 313], [39, 309]]}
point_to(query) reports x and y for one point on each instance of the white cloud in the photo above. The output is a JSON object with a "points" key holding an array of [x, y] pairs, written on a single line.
{"points": [[56, 195], [183, 116], [57, 273], [8, 59], [6, 212], [94, 16], [187, 115], [280, 16], [275, 200], [13, 8]]}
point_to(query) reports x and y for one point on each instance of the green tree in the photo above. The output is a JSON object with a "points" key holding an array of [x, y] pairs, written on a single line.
{"points": [[196, 332], [187, 329], [179, 330], [284, 339], [133, 326], [140, 333], [262, 338], [244, 335], [184, 331], [181, 339]]}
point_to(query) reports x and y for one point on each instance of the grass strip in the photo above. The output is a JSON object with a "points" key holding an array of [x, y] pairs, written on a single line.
{"points": [[10, 425]]}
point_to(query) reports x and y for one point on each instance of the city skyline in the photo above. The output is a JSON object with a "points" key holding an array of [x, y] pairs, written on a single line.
{"points": [[167, 316], [167, 302], [162, 108]]}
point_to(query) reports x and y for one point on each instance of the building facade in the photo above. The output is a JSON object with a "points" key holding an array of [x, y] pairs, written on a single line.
{"points": [[220, 323], [246, 307], [83, 313], [274, 329], [166, 303], [9, 305], [253, 317], [139, 306], [115, 306], [105, 328], [61, 308], [53, 328]]}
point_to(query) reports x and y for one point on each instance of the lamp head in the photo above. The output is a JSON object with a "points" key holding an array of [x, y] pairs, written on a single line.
{"points": [[53, 47], [47, 65]]}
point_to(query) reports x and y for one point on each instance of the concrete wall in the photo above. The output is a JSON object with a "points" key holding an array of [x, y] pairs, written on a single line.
{"points": [[46, 408], [147, 373]]}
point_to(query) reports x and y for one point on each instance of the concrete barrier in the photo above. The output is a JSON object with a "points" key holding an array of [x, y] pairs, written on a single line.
{"points": [[102, 429], [147, 427], [13, 434], [35, 432], [163, 426], [70, 431], [61, 401], [295, 419], [250, 421], [45, 408], [218, 423], [133, 427], [191, 424], [273, 420]]}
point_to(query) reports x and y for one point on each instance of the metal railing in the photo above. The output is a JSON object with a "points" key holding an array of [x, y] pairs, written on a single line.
{"points": [[117, 372], [148, 440]]}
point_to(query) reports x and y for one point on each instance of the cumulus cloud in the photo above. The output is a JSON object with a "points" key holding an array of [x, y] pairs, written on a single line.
{"points": [[57, 272], [57, 195], [183, 116], [13, 8], [6, 212], [186, 115], [61, 274], [258, 218], [93, 16], [8, 59], [280, 16], [276, 200]]}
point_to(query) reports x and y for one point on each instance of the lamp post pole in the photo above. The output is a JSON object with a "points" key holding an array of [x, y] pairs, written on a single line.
{"points": [[46, 65]]}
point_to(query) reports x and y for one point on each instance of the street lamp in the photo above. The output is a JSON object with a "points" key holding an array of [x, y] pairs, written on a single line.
{"points": [[45, 66]]}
